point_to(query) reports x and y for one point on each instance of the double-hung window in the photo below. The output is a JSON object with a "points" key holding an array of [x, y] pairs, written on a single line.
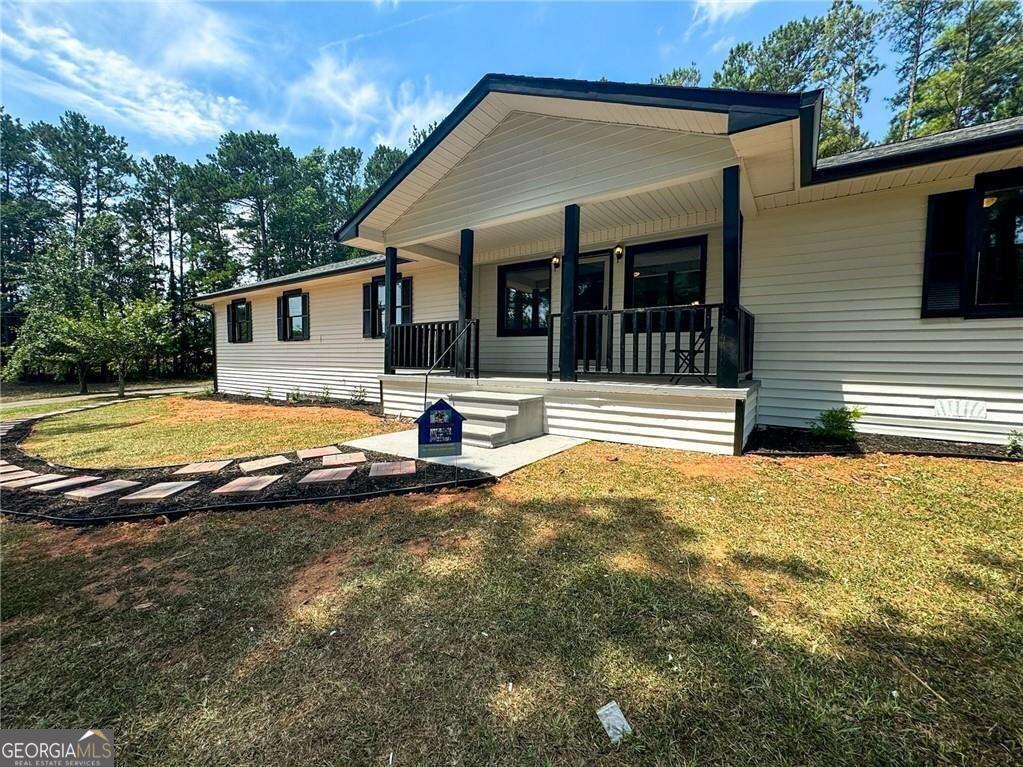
{"points": [[293, 316], [239, 321], [374, 305]]}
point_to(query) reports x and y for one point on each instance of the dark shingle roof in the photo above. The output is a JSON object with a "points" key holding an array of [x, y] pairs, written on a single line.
{"points": [[317, 272]]}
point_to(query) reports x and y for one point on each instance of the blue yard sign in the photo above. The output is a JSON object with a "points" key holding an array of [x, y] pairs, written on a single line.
{"points": [[440, 430]]}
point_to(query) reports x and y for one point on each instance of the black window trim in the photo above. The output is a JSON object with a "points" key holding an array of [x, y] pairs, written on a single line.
{"points": [[374, 308], [502, 271], [285, 335], [983, 184], [233, 336]]}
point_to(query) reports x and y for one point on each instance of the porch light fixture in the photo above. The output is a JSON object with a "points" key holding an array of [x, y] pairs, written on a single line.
{"points": [[619, 251], [989, 201], [556, 262]]}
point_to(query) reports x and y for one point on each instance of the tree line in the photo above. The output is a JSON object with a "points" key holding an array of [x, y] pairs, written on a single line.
{"points": [[99, 247], [959, 63], [97, 243]]}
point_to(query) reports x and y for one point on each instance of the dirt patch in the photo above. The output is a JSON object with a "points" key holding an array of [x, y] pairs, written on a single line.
{"points": [[317, 577], [63, 541], [712, 467], [419, 547], [635, 563]]}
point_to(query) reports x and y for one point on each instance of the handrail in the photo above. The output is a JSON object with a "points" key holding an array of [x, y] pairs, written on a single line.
{"points": [[441, 356]]}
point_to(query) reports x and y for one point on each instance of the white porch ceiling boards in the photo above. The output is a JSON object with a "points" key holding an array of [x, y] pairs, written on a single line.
{"points": [[535, 164], [495, 107]]}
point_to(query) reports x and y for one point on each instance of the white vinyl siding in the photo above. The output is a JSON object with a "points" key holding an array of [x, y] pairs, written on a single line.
{"points": [[836, 290]]}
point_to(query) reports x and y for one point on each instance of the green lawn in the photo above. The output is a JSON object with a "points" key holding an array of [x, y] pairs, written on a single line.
{"points": [[825, 611], [13, 392], [179, 429]]}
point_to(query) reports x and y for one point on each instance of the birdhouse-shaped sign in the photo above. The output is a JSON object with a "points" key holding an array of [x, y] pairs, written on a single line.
{"points": [[440, 430]]}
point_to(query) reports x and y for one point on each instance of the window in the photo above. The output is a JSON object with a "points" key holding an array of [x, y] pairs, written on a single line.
{"points": [[293, 316], [239, 321], [984, 279], [670, 273], [524, 298], [374, 305]]}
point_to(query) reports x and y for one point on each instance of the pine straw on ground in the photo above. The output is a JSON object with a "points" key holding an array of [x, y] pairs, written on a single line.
{"points": [[181, 429], [823, 611]]}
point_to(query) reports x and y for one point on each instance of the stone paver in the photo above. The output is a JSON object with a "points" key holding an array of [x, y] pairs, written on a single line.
{"points": [[63, 484], [344, 459], [103, 488], [14, 476], [263, 463], [248, 484], [205, 467], [36, 480], [156, 492], [9, 469], [392, 468], [316, 452], [327, 475], [4, 463]]}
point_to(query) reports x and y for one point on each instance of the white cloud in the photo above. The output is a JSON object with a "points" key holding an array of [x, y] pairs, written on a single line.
{"points": [[198, 38], [54, 63], [358, 104], [714, 11], [723, 45]]}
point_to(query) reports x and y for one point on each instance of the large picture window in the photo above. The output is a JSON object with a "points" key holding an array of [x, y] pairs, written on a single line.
{"points": [[239, 321], [374, 305], [293, 316], [973, 259], [670, 273], [524, 298]]}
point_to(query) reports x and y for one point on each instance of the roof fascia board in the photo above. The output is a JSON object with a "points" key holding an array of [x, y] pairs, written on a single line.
{"points": [[284, 281]]}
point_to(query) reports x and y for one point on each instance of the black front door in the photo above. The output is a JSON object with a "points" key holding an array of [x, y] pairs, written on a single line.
{"points": [[591, 293]]}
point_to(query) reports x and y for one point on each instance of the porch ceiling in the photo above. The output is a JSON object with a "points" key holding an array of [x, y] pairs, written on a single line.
{"points": [[603, 223]]}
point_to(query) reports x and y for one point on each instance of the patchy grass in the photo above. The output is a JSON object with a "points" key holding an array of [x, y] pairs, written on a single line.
{"points": [[742, 611], [13, 392], [179, 429]]}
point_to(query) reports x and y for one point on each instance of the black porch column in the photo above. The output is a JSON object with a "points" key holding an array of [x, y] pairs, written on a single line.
{"points": [[731, 246], [391, 298], [464, 300], [569, 262]]}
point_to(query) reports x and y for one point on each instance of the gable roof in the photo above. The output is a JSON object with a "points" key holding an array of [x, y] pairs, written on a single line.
{"points": [[743, 110], [317, 272]]}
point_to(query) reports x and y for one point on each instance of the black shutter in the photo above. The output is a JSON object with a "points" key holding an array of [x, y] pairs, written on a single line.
{"points": [[305, 316], [406, 300], [945, 254], [230, 324], [280, 317], [367, 310]]}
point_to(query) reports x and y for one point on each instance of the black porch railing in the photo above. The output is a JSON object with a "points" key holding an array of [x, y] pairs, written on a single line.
{"points": [[679, 342], [425, 345]]}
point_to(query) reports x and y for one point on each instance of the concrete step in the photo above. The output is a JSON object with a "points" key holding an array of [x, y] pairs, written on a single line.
{"points": [[494, 418], [488, 415], [481, 435]]}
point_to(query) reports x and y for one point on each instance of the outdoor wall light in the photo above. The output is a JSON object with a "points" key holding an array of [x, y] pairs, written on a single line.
{"points": [[989, 201], [619, 251], [556, 262]]}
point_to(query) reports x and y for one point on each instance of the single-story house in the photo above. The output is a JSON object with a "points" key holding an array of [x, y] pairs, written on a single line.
{"points": [[661, 266]]}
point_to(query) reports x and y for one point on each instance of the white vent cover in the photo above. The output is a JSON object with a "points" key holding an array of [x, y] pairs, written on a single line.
{"points": [[961, 409]]}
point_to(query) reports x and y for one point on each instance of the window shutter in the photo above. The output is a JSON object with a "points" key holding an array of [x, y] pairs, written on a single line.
{"points": [[945, 254], [305, 316], [406, 300], [280, 318], [367, 310], [231, 335]]}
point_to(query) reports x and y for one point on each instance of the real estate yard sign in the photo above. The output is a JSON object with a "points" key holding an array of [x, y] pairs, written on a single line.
{"points": [[440, 430]]}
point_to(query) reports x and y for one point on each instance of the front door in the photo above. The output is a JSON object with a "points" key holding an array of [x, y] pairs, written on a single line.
{"points": [[592, 291]]}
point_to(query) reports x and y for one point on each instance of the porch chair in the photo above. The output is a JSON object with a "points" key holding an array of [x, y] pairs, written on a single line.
{"points": [[686, 357]]}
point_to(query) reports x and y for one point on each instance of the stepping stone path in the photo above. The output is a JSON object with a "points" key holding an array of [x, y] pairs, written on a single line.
{"points": [[248, 484], [157, 492], [327, 475], [36, 480], [344, 459], [263, 463], [63, 483], [14, 476], [392, 468], [316, 452], [206, 467], [9, 469], [103, 488]]}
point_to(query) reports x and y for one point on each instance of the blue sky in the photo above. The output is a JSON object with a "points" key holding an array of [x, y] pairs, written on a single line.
{"points": [[172, 76]]}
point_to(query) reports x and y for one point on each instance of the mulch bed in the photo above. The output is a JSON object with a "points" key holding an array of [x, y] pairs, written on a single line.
{"points": [[22, 503], [782, 441]]}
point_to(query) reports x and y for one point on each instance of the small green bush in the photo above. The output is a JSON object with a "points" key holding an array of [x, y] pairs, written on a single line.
{"points": [[324, 397], [294, 397], [1015, 447], [268, 393], [358, 396], [837, 423]]}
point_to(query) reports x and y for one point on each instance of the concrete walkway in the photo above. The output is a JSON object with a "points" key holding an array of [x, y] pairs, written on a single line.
{"points": [[493, 460], [71, 399]]}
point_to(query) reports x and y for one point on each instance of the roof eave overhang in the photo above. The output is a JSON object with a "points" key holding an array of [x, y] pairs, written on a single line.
{"points": [[745, 111]]}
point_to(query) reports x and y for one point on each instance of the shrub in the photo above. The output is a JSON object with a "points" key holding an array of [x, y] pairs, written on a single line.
{"points": [[837, 423], [268, 393], [294, 397], [1015, 447], [324, 397], [207, 391], [358, 396]]}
